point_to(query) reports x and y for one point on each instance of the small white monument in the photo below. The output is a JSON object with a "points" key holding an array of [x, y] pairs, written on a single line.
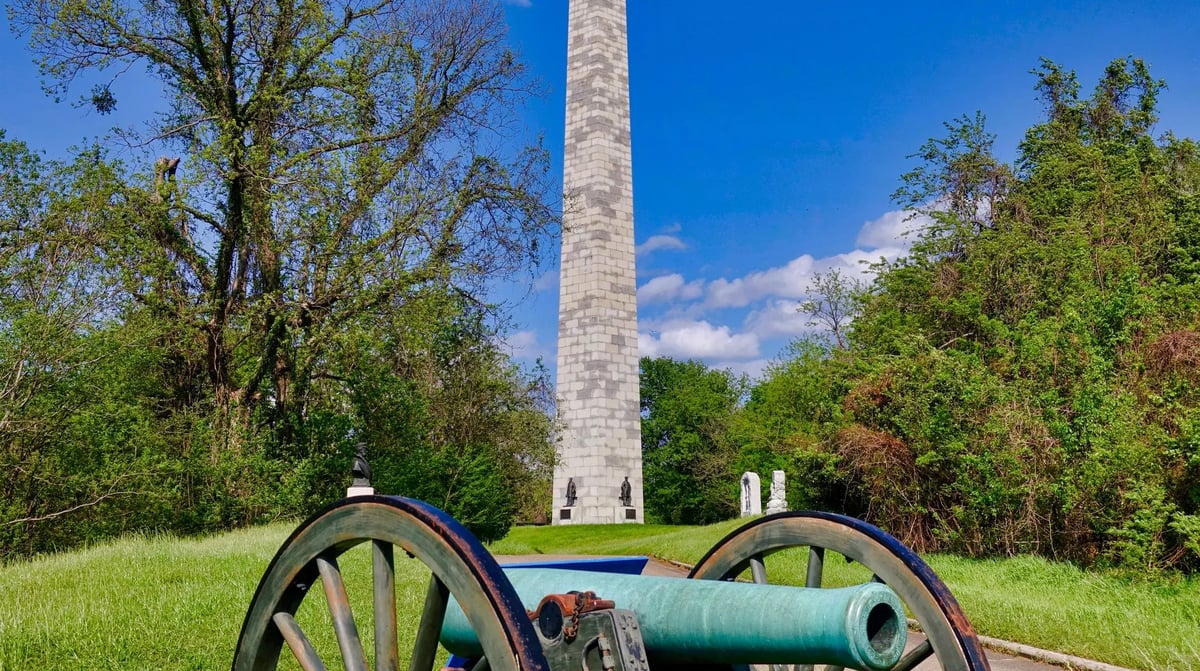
{"points": [[777, 503], [751, 494]]}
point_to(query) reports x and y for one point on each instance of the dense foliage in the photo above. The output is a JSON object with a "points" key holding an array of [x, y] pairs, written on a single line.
{"points": [[1026, 379], [198, 342], [685, 452]]}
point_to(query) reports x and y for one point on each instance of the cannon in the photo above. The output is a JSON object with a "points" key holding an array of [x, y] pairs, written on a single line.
{"points": [[726, 615], [705, 621]]}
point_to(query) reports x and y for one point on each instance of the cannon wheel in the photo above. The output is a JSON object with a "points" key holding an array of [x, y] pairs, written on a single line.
{"points": [[950, 637], [459, 564]]}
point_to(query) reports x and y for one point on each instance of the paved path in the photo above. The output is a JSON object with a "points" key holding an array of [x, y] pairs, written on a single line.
{"points": [[1000, 661]]}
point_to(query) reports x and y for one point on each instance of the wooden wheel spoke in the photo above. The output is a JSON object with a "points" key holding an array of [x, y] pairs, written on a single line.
{"points": [[298, 642], [430, 628], [343, 619], [914, 657], [758, 570], [384, 527], [816, 567], [387, 654]]}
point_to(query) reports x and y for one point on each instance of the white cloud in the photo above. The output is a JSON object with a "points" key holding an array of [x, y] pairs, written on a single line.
{"points": [[676, 320], [793, 280], [883, 237], [697, 340], [774, 296], [779, 318], [888, 236], [668, 288], [789, 280], [893, 229], [657, 242], [547, 282]]}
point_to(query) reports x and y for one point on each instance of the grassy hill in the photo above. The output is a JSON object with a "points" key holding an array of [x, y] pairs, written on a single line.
{"points": [[168, 603]]}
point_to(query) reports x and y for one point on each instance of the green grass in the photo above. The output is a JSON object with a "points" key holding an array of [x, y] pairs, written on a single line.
{"points": [[1139, 623], [138, 603], [167, 603], [686, 544]]}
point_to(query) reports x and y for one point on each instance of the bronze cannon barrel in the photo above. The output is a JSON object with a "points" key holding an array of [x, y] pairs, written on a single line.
{"points": [[707, 621]]}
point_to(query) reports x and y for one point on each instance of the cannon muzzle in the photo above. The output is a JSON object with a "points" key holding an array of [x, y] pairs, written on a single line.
{"points": [[708, 621]]}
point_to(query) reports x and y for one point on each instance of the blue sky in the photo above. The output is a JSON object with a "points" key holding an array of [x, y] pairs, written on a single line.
{"points": [[767, 137]]}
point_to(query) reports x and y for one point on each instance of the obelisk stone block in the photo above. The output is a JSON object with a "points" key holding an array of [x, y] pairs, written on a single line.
{"points": [[597, 389]]}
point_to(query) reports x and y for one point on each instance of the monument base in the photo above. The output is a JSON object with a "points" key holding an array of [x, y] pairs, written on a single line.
{"points": [[566, 515], [359, 491], [622, 514]]}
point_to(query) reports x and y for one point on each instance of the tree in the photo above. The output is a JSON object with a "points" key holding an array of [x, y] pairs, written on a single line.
{"points": [[958, 184], [836, 300], [78, 387], [337, 161], [1024, 380], [328, 178], [450, 419], [687, 459]]}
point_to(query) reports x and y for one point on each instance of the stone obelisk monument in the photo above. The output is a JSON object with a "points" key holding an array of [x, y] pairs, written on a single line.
{"points": [[599, 477]]}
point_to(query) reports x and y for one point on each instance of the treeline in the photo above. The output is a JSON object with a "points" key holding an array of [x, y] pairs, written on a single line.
{"points": [[198, 342], [1025, 380]]}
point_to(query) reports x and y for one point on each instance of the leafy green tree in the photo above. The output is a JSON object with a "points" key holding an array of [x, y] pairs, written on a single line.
{"points": [[455, 423], [336, 162], [959, 184], [63, 366], [835, 301], [342, 181], [688, 462], [1021, 381]]}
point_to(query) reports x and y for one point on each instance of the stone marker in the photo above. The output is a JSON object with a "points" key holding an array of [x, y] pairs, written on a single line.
{"points": [[751, 494], [777, 503]]}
